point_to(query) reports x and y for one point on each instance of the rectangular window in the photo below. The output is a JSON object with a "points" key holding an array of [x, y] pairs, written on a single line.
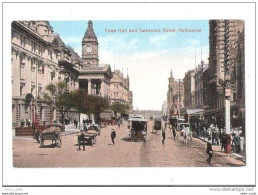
{"points": [[39, 69], [33, 46], [50, 54], [22, 40], [40, 50], [32, 65]]}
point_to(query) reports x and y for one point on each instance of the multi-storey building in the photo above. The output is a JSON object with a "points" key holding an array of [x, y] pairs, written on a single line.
{"points": [[198, 84], [120, 89], [39, 57], [234, 38], [189, 89], [175, 96]]}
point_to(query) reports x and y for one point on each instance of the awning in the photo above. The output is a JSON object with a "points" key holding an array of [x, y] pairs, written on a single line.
{"points": [[194, 112]]}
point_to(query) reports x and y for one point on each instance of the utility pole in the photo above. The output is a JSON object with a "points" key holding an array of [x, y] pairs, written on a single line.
{"points": [[227, 66]]}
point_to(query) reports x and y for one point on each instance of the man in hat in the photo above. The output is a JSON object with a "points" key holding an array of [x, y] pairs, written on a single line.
{"points": [[113, 136], [163, 135], [209, 150], [36, 135], [174, 132], [81, 141]]}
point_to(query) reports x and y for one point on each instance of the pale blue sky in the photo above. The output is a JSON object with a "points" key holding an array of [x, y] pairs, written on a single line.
{"points": [[149, 56]]}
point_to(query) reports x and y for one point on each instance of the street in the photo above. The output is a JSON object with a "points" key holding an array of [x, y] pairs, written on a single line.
{"points": [[173, 153]]}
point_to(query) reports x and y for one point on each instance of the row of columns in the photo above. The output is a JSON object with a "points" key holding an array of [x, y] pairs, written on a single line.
{"points": [[103, 86]]}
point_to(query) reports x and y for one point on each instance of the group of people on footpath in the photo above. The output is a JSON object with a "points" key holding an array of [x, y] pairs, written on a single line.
{"points": [[219, 137], [26, 123]]}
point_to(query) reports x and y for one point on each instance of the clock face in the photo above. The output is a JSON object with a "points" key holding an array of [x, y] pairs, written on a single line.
{"points": [[88, 49]]}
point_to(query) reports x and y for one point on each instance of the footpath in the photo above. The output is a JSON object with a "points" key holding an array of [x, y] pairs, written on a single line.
{"points": [[217, 148]]}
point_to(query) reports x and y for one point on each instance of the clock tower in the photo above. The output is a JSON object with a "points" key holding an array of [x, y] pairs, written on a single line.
{"points": [[90, 48]]}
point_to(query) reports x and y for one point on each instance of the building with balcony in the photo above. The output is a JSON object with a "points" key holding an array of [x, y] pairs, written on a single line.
{"points": [[198, 84], [39, 57], [189, 90], [120, 90], [222, 32]]}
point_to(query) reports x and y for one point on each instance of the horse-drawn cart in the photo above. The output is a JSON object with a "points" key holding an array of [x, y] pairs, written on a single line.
{"points": [[53, 134], [88, 138]]}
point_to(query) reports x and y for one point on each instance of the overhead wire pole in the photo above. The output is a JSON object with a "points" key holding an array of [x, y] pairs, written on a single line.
{"points": [[227, 86]]}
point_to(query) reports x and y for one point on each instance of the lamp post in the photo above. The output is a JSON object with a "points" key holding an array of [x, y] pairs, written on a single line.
{"points": [[226, 84], [227, 79]]}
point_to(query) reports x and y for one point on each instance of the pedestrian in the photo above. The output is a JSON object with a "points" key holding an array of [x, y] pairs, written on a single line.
{"points": [[217, 137], [81, 141], [213, 136], [113, 136], [237, 143], [22, 123], [36, 135], [174, 132], [209, 150], [163, 135], [27, 123], [118, 123], [85, 127], [223, 141], [75, 122]]}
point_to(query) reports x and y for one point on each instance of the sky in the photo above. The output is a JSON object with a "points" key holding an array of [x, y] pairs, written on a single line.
{"points": [[148, 56]]}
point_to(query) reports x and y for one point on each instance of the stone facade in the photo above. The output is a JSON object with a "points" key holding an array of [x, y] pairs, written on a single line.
{"points": [[175, 96], [198, 82], [90, 47], [94, 78], [189, 89], [214, 101], [39, 57], [120, 89]]}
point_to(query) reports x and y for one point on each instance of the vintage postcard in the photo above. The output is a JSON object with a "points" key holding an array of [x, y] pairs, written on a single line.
{"points": [[126, 95], [99, 91]]}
